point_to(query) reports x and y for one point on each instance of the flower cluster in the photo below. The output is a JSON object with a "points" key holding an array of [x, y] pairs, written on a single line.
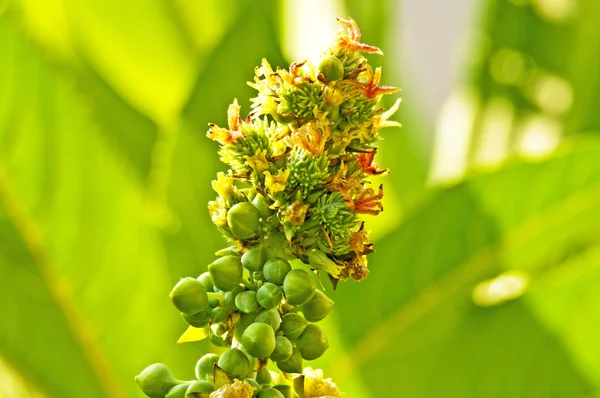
{"points": [[290, 204]]}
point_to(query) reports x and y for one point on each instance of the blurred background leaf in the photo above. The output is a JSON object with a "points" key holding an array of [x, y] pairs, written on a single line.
{"points": [[484, 281]]}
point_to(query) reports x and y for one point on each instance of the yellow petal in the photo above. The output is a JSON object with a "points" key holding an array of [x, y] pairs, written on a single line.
{"points": [[194, 334]]}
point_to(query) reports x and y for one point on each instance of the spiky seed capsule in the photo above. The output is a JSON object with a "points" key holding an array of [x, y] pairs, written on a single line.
{"points": [[156, 380], [299, 287], [275, 270], [226, 273], [269, 295], [312, 343], [283, 349], [317, 307], [243, 220], [246, 301], [199, 389], [234, 362], [259, 340], [270, 317], [189, 296], [293, 325], [331, 68], [253, 259], [293, 364], [204, 366]]}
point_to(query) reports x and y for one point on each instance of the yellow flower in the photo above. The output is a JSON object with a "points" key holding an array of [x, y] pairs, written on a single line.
{"points": [[237, 389], [276, 183], [223, 185], [258, 162], [296, 213], [316, 386]]}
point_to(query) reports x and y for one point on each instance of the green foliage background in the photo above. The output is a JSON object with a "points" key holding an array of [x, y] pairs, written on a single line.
{"points": [[105, 175]]}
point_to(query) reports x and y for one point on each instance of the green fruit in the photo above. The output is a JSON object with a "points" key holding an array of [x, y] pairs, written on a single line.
{"points": [[253, 259], [270, 317], [269, 295], [259, 340], [243, 220], [312, 343], [178, 391], [293, 364], [258, 276], [189, 296], [229, 299], [252, 382], [275, 270], [226, 273], [217, 315], [293, 325], [246, 301], [284, 389], [249, 193], [331, 68], [156, 380], [283, 349], [269, 393], [213, 303], [221, 328], [317, 307], [198, 320], [299, 287], [241, 325], [199, 389], [220, 341], [204, 278], [261, 205], [234, 362], [263, 376], [204, 366]]}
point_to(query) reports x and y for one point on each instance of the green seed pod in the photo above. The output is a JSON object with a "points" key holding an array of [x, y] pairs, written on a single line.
{"points": [[156, 380], [213, 303], [284, 389], [317, 307], [204, 366], [269, 295], [241, 325], [178, 391], [234, 362], [253, 259], [259, 340], [221, 328], [229, 299], [246, 301], [331, 68], [228, 251], [243, 220], [283, 349], [198, 320], [189, 296], [293, 364], [263, 376], [252, 382], [261, 205], [293, 325], [204, 278], [258, 276], [249, 193], [270, 317], [299, 287], [275, 270], [312, 343], [217, 315], [226, 273], [199, 389], [269, 393]]}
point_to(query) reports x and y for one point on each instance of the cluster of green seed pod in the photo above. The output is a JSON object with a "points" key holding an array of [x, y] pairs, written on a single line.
{"points": [[290, 205]]}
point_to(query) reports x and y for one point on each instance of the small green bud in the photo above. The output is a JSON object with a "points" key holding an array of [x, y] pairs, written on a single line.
{"points": [[243, 220], [178, 391], [293, 364], [263, 376], [204, 278], [252, 382], [332, 68], [299, 287], [317, 307], [269, 393], [213, 303], [199, 389], [217, 315], [221, 328], [228, 251], [258, 276], [219, 341], [198, 320], [226, 273], [293, 325], [156, 380], [241, 325], [204, 366], [270, 317], [246, 301], [249, 193], [189, 296], [284, 389], [229, 299], [312, 343], [269, 295], [234, 362], [253, 259], [283, 349], [261, 205], [259, 340], [275, 270]]}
